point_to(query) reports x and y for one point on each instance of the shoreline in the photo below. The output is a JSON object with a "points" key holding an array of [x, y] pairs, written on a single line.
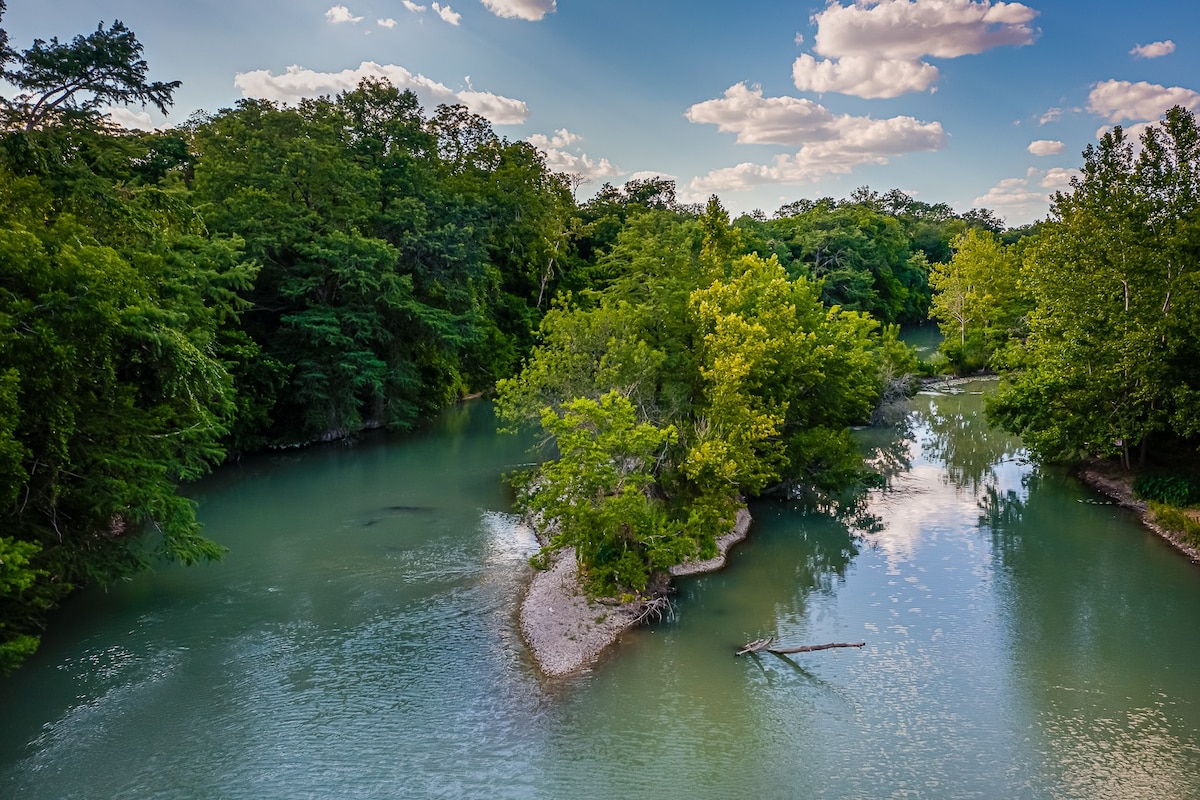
{"points": [[1111, 481], [565, 631]]}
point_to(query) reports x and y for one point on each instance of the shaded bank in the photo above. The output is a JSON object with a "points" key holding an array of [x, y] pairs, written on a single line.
{"points": [[1109, 479]]}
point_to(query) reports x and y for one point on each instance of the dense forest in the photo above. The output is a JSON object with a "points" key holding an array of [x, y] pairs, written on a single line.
{"points": [[271, 275]]}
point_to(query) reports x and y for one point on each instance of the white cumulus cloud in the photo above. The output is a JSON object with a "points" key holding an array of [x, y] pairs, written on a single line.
{"points": [[386, 23], [764, 120], [128, 118], [1058, 179], [875, 48], [297, 83], [1118, 101], [863, 76], [560, 159], [829, 143], [413, 7], [340, 14], [1047, 147], [531, 10], [1025, 199], [561, 138], [446, 13], [1154, 49]]}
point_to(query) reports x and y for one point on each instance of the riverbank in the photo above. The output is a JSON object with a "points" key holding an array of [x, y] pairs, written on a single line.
{"points": [[566, 631], [1112, 481]]}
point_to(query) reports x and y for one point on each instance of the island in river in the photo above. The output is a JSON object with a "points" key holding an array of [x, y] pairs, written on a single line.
{"points": [[565, 630]]}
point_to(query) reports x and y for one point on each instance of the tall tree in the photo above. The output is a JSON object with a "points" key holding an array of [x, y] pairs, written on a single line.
{"points": [[78, 77], [727, 374], [1109, 365], [977, 300]]}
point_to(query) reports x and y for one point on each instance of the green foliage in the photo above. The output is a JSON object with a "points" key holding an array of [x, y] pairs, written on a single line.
{"points": [[1177, 520], [861, 256], [1174, 490], [596, 496], [753, 377], [404, 260], [977, 300], [102, 68], [1109, 362], [113, 306]]}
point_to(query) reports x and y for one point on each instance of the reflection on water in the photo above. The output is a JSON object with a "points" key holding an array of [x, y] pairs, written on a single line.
{"points": [[360, 642]]}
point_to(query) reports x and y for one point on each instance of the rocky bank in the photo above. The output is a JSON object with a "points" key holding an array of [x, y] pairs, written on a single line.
{"points": [[565, 631]]}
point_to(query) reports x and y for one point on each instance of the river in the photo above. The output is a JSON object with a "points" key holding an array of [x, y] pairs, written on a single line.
{"points": [[1023, 640]]}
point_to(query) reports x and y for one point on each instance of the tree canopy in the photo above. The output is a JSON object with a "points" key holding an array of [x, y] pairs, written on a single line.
{"points": [[1108, 367], [103, 68], [698, 375]]}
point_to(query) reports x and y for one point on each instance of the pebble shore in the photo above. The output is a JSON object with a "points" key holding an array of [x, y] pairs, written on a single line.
{"points": [[565, 631]]}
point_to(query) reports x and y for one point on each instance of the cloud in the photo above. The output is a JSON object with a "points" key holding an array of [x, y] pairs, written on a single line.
{"points": [[863, 76], [1118, 101], [1051, 115], [649, 174], [531, 10], [340, 14], [495, 108], [130, 119], [297, 83], [763, 120], [386, 23], [1058, 179], [447, 13], [1023, 200], [1047, 147], [828, 143], [1153, 50], [559, 159], [562, 138], [875, 48], [413, 7]]}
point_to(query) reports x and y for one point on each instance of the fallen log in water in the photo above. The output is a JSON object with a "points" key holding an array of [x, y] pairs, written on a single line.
{"points": [[759, 645], [809, 648]]}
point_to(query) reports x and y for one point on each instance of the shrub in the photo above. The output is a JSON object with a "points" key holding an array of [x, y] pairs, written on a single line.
{"points": [[1173, 490], [1175, 519]]}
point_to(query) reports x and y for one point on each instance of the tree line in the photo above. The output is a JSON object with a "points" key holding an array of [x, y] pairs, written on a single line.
{"points": [[267, 275], [1094, 318]]}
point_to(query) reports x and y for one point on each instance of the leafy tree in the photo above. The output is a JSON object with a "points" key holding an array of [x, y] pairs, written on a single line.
{"points": [[80, 76], [599, 492], [861, 255], [755, 379], [405, 261], [114, 306], [1108, 366], [977, 300]]}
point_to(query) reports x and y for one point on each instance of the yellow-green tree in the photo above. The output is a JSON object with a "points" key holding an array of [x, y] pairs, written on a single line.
{"points": [[744, 378], [977, 300]]}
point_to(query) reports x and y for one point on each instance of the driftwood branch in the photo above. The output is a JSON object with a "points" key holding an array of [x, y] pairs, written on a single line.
{"points": [[759, 645], [755, 646], [810, 648]]}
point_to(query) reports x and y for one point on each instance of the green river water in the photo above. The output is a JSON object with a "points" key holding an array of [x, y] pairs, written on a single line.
{"points": [[1023, 640]]}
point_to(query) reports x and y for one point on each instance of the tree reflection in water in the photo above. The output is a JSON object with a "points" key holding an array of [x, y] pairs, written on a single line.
{"points": [[958, 437]]}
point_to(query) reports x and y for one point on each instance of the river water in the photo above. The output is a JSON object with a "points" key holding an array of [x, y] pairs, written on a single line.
{"points": [[1023, 640]]}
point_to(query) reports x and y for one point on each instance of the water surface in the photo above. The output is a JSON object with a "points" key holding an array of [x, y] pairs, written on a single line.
{"points": [[1023, 640]]}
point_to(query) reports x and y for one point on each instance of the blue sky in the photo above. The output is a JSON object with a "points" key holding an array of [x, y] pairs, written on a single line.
{"points": [[968, 102]]}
